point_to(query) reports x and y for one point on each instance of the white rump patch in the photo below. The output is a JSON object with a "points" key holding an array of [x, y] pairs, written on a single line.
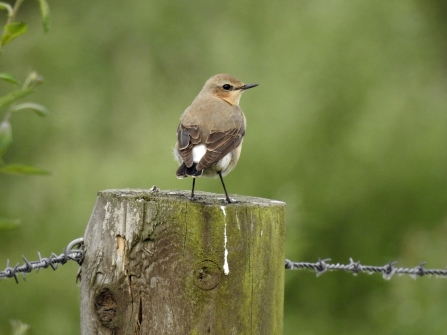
{"points": [[198, 152], [224, 163]]}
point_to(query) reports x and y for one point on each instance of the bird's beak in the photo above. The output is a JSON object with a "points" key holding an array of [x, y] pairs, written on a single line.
{"points": [[247, 86]]}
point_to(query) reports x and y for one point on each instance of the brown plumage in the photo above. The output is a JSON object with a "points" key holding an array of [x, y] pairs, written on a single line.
{"points": [[210, 133]]}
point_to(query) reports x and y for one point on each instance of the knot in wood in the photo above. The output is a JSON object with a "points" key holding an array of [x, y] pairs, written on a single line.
{"points": [[105, 308], [207, 275]]}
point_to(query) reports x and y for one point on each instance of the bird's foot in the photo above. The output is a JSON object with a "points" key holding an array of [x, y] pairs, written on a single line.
{"points": [[228, 200], [195, 198]]}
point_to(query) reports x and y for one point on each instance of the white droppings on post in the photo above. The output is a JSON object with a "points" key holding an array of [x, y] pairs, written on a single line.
{"points": [[225, 266]]}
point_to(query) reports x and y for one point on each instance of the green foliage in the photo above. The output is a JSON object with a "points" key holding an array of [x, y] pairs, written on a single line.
{"points": [[8, 102], [7, 7], [19, 328], [45, 10], [22, 169], [12, 31], [32, 106], [5, 136], [6, 224], [9, 78], [12, 97]]}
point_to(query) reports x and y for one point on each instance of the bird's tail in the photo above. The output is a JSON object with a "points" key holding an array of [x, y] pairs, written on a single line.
{"points": [[183, 171]]}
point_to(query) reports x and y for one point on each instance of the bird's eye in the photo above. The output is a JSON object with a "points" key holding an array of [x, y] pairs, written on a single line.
{"points": [[227, 87]]}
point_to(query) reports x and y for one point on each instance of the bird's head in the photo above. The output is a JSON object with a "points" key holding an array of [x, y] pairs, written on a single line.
{"points": [[226, 87]]}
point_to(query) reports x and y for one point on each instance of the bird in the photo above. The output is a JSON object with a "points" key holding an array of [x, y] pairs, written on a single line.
{"points": [[211, 131]]}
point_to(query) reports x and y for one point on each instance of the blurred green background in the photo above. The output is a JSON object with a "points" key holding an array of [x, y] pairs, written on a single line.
{"points": [[348, 126]]}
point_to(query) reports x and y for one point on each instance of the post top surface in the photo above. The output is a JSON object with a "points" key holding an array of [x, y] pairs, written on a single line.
{"points": [[204, 198]]}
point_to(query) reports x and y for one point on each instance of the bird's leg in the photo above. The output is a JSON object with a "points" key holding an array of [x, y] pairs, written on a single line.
{"points": [[193, 184], [225, 189]]}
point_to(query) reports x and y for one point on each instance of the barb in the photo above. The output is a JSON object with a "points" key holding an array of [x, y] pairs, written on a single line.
{"points": [[72, 252], [387, 270]]}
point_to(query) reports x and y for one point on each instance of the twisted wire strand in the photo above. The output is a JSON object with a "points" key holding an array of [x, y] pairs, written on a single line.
{"points": [[387, 270], [73, 252]]}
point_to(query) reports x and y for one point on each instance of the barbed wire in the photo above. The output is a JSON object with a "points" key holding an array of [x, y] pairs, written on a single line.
{"points": [[387, 270], [70, 253], [75, 252]]}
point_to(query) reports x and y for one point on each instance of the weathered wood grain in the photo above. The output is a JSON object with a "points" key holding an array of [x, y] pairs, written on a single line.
{"points": [[159, 263]]}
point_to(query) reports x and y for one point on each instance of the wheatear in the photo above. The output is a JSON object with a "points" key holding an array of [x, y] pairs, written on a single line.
{"points": [[210, 133]]}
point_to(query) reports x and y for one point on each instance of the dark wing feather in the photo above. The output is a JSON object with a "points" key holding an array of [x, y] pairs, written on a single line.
{"points": [[187, 137], [218, 144]]}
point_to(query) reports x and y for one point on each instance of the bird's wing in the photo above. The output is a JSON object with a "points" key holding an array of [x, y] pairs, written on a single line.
{"points": [[187, 137], [218, 144]]}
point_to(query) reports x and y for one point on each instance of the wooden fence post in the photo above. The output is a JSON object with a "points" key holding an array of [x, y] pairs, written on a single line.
{"points": [[158, 263]]}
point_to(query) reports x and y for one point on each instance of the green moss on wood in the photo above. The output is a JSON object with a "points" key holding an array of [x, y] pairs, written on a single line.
{"points": [[175, 252]]}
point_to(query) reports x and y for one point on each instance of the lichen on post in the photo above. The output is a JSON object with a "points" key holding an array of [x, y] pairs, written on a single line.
{"points": [[157, 262]]}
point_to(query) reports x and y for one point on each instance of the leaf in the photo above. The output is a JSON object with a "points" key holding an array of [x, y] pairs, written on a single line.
{"points": [[7, 7], [23, 170], [13, 30], [38, 109], [32, 80], [13, 96], [45, 11], [6, 224], [5, 136], [19, 328], [9, 78]]}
